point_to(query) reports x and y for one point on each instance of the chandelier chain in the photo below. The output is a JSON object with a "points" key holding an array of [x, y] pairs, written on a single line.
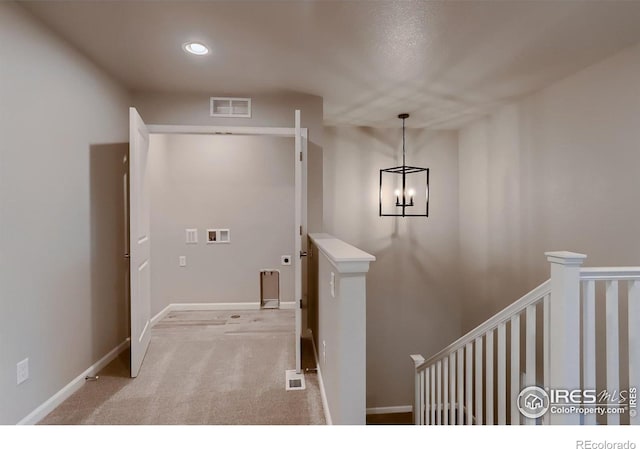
{"points": [[404, 152]]}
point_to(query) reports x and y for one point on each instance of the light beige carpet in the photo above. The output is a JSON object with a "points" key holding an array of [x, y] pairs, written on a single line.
{"points": [[218, 367]]}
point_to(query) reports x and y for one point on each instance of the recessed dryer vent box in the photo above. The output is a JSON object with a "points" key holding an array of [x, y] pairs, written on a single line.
{"points": [[218, 236], [230, 107]]}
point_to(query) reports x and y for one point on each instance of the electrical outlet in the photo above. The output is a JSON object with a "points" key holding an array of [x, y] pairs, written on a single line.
{"points": [[324, 352], [22, 369], [182, 260]]}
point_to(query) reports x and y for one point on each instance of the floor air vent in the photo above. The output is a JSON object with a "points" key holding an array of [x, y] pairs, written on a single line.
{"points": [[294, 381]]}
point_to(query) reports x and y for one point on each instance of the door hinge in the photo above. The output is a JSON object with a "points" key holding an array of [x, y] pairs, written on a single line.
{"points": [[300, 229], [300, 156]]}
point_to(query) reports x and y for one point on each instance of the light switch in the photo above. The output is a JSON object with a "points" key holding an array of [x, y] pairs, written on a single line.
{"points": [[182, 260], [332, 283], [23, 371]]}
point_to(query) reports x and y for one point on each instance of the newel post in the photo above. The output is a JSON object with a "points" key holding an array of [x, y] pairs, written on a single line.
{"points": [[418, 396], [564, 326]]}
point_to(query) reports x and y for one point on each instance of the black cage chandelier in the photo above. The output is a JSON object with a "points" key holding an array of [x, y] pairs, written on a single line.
{"points": [[404, 190]]}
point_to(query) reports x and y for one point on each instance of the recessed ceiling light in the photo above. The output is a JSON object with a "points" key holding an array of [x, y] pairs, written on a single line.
{"points": [[196, 48]]}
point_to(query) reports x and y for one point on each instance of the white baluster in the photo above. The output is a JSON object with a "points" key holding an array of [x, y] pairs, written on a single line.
{"points": [[439, 392], [613, 350], [530, 354], [545, 348], [468, 390], [489, 380], [515, 369], [452, 387], [479, 411], [422, 393], [445, 391], [589, 341], [426, 413], [502, 374], [433, 394], [460, 393]]}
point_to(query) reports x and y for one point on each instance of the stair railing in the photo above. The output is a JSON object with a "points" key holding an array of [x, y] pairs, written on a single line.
{"points": [[545, 343]]}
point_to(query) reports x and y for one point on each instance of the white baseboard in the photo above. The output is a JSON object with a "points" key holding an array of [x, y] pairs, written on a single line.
{"points": [[288, 305], [323, 393], [160, 315], [393, 409], [54, 401]]}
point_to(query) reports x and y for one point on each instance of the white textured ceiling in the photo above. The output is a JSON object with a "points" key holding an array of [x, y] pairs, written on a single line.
{"points": [[445, 62]]}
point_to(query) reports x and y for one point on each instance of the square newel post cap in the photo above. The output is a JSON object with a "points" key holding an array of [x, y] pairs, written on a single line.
{"points": [[417, 359], [565, 258]]}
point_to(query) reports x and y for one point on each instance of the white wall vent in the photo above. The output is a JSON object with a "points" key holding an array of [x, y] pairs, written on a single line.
{"points": [[230, 107]]}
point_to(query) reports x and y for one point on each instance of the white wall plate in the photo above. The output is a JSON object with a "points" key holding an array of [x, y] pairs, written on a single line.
{"points": [[218, 236]]}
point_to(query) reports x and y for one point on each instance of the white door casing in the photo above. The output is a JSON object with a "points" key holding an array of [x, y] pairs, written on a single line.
{"points": [[140, 240], [139, 217]]}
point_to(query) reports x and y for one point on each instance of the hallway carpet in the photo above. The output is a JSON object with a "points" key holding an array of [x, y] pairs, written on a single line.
{"points": [[206, 367]]}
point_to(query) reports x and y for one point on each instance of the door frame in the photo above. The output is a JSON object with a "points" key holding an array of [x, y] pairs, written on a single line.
{"points": [[299, 189], [234, 130]]}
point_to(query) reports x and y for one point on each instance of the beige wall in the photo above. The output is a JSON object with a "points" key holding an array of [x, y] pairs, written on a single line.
{"points": [[412, 296], [64, 128], [554, 171], [241, 183]]}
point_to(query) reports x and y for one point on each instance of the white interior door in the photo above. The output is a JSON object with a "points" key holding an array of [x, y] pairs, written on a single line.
{"points": [[298, 240], [140, 269]]}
